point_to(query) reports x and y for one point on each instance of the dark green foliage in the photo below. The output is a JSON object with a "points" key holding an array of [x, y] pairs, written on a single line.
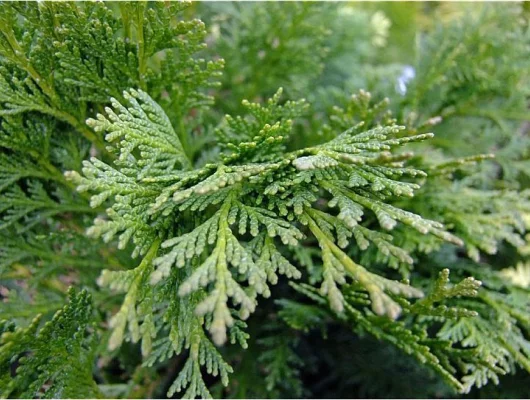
{"points": [[54, 361], [222, 243]]}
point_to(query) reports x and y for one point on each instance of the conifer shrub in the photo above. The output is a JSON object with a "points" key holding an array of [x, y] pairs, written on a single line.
{"points": [[276, 202]]}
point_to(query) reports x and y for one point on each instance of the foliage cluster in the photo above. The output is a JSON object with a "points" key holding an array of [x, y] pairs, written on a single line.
{"points": [[223, 198]]}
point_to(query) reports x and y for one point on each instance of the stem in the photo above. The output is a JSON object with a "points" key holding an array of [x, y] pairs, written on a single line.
{"points": [[218, 325], [113, 261], [141, 45], [150, 255], [357, 271], [502, 308], [130, 300], [57, 175], [184, 140], [126, 21], [62, 259], [18, 53], [49, 91], [84, 130], [381, 302], [32, 311], [494, 115], [524, 361]]}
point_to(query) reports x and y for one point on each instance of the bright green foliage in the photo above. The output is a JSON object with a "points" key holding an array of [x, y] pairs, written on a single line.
{"points": [[119, 174], [353, 167]]}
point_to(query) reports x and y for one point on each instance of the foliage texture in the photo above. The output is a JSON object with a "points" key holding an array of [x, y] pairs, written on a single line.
{"points": [[217, 226]]}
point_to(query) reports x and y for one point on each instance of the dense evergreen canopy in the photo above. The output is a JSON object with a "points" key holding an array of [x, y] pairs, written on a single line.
{"points": [[285, 200]]}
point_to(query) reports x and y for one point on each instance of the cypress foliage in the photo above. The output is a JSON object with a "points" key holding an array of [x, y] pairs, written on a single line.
{"points": [[219, 211]]}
